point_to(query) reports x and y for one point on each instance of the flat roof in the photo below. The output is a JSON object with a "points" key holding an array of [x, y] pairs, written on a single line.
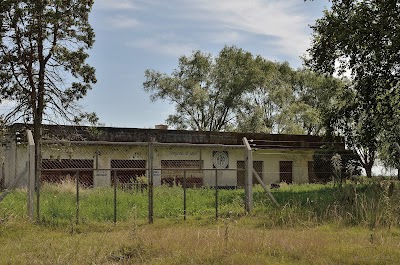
{"points": [[114, 134]]}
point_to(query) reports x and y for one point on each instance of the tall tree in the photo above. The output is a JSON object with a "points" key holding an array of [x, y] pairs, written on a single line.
{"points": [[320, 95], [288, 101], [237, 91], [42, 59], [359, 124], [206, 91], [265, 102], [362, 37]]}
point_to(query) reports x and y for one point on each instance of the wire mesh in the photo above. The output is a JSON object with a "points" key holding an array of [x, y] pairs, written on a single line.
{"points": [[61, 161], [185, 180]]}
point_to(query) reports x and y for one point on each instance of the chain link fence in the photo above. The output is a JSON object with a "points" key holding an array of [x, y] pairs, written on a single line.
{"points": [[110, 181], [167, 180], [158, 180]]}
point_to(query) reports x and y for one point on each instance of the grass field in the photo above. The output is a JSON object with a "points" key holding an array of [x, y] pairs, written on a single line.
{"points": [[315, 224]]}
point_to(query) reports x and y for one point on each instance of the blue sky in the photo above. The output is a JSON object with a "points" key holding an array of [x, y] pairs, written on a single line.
{"points": [[135, 35]]}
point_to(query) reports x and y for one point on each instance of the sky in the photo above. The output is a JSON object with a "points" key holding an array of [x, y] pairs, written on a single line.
{"points": [[135, 35]]}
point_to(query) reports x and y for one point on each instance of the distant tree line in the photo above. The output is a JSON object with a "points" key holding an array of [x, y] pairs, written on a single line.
{"points": [[237, 91], [358, 42]]}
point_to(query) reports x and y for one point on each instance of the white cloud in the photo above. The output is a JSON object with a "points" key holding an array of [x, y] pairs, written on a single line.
{"points": [[276, 27], [279, 24], [163, 45], [115, 4], [121, 21], [264, 18], [224, 36]]}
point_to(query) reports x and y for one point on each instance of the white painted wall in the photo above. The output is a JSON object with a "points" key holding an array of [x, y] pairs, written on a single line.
{"points": [[270, 160]]}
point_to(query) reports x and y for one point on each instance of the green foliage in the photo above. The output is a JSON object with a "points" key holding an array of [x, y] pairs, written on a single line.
{"points": [[289, 101], [204, 90], [362, 37], [388, 153], [242, 92], [371, 203], [43, 56], [324, 168]]}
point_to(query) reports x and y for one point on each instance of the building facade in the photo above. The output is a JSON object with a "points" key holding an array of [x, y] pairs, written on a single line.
{"points": [[102, 154]]}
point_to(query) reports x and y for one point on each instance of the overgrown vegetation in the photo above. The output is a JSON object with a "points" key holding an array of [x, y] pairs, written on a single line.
{"points": [[367, 203], [359, 40], [319, 224]]}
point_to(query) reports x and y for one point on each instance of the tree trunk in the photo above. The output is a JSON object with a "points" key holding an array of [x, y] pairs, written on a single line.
{"points": [[39, 106], [368, 170], [367, 160], [398, 173]]}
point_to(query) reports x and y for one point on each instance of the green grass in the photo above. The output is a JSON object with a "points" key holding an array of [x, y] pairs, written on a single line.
{"points": [[372, 204], [314, 224]]}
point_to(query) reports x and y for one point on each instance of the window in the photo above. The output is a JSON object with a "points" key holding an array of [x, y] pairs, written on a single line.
{"points": [[173, 172], [59, 170], [129, 171]]}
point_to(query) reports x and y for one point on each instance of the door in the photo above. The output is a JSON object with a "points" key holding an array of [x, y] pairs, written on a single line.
{"points": [[257, 165], [286, 171], [312, 178]]}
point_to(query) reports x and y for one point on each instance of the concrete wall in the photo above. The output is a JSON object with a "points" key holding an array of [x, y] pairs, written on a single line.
{"points": [[15, 158], [271, 160]]}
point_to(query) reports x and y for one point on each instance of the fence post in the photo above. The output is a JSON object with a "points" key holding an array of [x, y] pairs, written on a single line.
{"points": [[97, 158], [265, 187], [31, 175], [216, 194], [115, 195], [150, 180], [184, 194], [38, 173], [248, 177], [38, 170], [77, 197]]}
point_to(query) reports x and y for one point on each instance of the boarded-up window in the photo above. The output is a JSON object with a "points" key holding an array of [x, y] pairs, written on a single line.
{"points": [[59, 170], [128, 170], [257, 165], [286, 171], [173, 172]]}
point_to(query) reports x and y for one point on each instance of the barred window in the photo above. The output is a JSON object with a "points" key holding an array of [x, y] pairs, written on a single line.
{"points": [[59, 170]]}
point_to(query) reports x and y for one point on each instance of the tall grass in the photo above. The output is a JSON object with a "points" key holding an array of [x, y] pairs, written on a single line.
{"points": [[373, 204], [190, 243], [370, 204], [315, 224]]}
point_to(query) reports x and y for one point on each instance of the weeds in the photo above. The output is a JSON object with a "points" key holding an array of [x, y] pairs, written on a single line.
{"points": [[356, 223], [128, 253], [369, 203]]}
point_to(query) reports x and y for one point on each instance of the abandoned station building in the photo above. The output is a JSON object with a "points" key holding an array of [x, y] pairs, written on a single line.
{"points": [[101, 153]]}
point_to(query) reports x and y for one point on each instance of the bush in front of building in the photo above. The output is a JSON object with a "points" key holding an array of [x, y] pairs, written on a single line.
{"points": [[336, 165]]}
